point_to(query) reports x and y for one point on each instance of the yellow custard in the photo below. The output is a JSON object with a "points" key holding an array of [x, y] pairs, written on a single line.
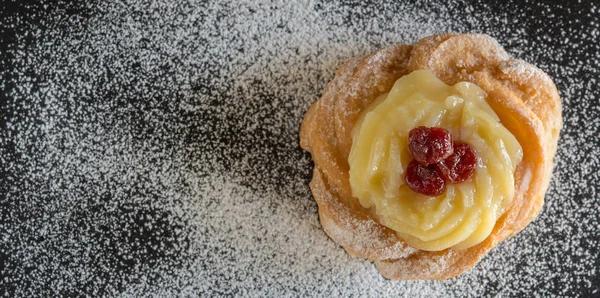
{"points": [[465, 214]]}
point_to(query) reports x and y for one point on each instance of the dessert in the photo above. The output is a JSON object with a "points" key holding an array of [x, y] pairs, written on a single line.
{"points": [[428, 155]]}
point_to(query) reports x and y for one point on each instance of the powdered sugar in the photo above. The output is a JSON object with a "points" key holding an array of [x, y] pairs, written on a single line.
{"points": [[151, 147]]}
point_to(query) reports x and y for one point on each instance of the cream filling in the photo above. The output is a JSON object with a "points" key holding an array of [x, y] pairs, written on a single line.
{"points": [[465, 214]]}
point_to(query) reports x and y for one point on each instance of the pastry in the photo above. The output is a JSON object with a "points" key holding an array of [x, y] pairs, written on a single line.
{"points": [[428, 155]]}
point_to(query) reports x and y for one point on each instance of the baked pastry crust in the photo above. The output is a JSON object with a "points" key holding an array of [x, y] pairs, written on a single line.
{"points": [[524, 98]]}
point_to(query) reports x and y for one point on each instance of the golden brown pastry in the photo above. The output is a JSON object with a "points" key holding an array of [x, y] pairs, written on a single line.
{"points": [[521, 98]]}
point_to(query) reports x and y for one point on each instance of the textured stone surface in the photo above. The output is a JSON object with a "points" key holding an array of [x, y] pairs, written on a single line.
{"points": [[152, 147]]}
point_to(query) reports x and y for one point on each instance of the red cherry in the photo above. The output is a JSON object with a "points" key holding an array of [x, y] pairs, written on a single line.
{"points": [[424, 179], [429, 145], [459, 166]]}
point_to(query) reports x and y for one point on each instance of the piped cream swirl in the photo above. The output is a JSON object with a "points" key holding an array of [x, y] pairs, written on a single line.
{"points": [[466, 213]]}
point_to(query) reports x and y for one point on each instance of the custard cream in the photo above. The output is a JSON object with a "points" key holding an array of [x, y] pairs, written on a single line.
{"points": [[465, 214]]}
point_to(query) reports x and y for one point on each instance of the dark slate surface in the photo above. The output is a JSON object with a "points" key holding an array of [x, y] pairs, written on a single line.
{"points": [[94, 119]]}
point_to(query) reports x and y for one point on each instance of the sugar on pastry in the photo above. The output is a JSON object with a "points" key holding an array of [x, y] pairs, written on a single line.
{"points": [[428, 155]]}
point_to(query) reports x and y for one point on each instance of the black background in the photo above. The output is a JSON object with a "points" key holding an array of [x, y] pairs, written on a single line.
{"points": [[116, 256]]}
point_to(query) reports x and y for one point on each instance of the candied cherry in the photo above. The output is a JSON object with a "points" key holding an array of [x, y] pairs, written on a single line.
{"points": [[459, 166], [429, 145], [424, 179]]}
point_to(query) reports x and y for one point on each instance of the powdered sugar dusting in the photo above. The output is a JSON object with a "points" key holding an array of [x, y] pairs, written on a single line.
{"points": [[151, 147]]}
